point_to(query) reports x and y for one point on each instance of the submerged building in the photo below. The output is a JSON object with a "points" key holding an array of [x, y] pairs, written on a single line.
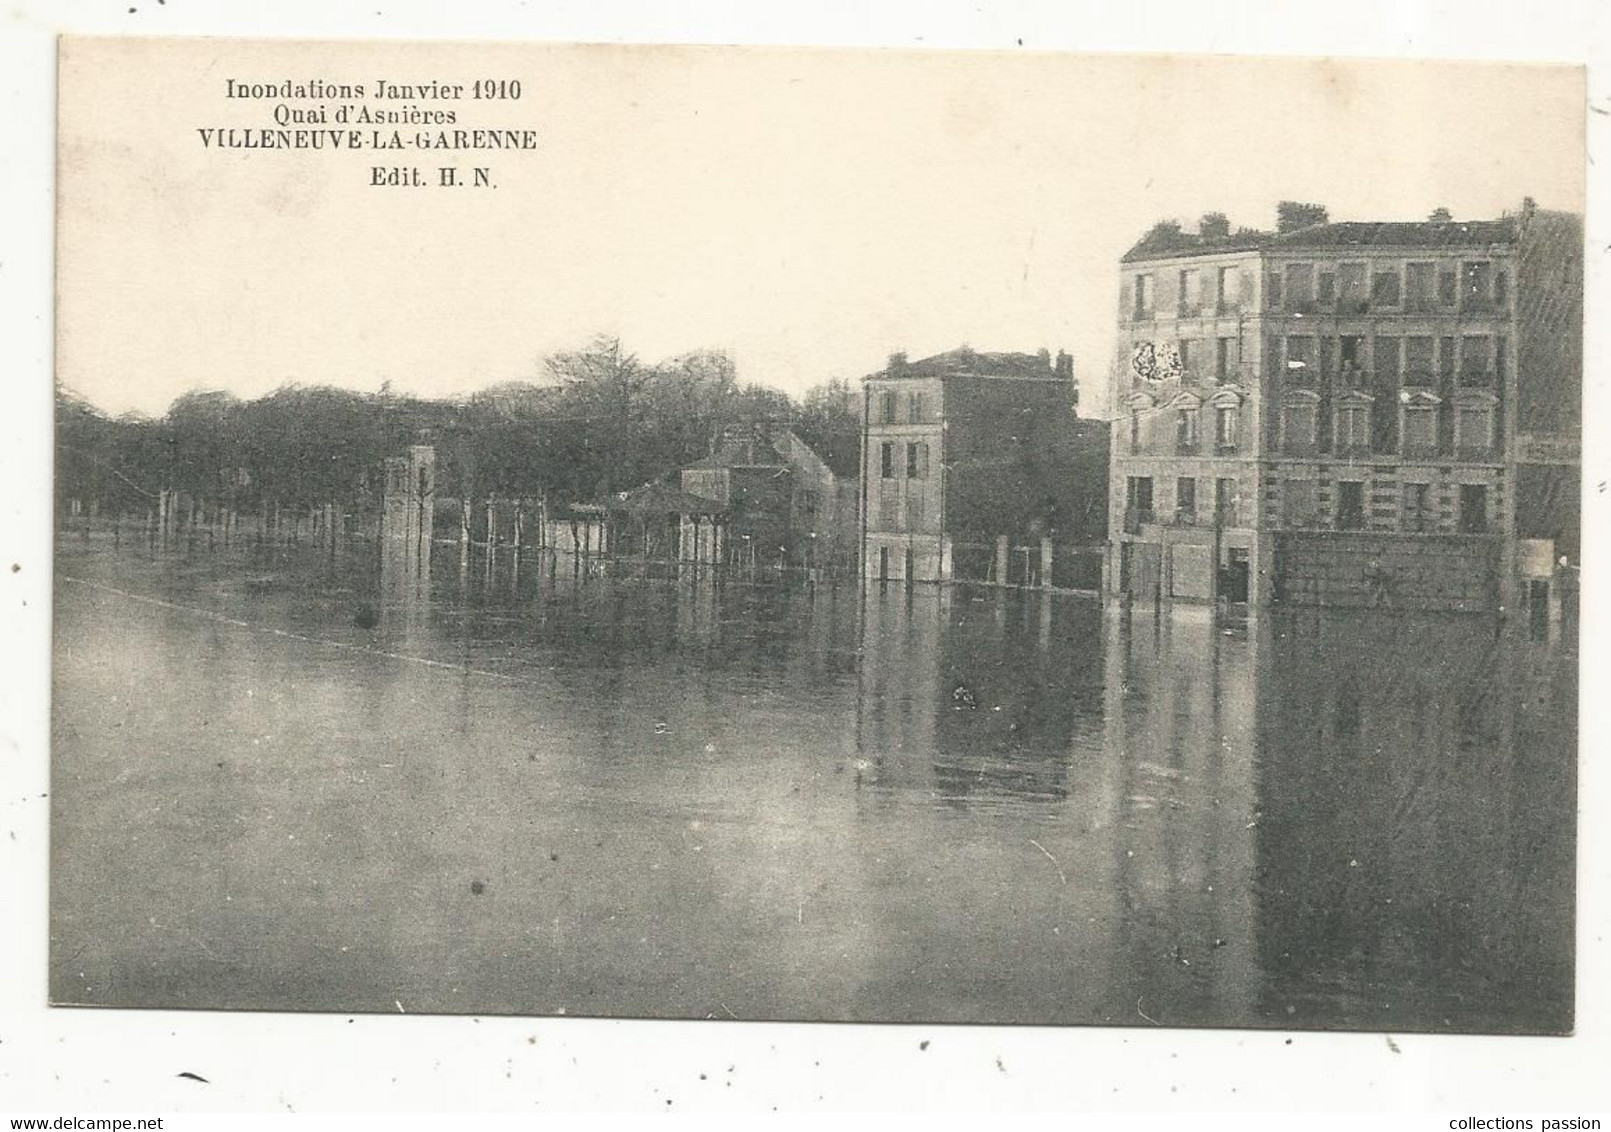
{"points": [[1377, 413], [969, 456], [783, 504]]}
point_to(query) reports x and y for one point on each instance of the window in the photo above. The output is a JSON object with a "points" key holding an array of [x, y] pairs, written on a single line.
{"points": [[1185, 357], [1501, 287], [1225, 501], [1384, 361], [1300, 286], [1418, 363], [1299, 506], [887, 406], [917, 461], [1416, 515], [1135, 430], [1384, 289], [1300, 358], [1446, 361], [1420, 428], [1272, 354], [1353, 427], [1298, 425], [1272, 286], [1191, 298], [1144, 297], [1476, 286], [1473, 508], [1186, 430], [1350, 505], [1476, 359], [1420, 287], [1225, 422], [887, 460], [1138, 498], [1500, 350], [1326, 288], [1351, 361], [1351, 296], [1186, 499], [1222, 361], [1447, 290], [1222, 290], [916, 409], [1474, 430]]}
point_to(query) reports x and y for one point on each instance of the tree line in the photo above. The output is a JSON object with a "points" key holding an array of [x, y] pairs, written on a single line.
{"points": [[605, 421]]}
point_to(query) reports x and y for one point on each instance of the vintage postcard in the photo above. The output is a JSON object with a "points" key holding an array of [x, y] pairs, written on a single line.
{"points": [[738, 533]]}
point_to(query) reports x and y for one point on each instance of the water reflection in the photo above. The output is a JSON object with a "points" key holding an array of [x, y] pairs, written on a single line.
{"points": [[691, 796]]}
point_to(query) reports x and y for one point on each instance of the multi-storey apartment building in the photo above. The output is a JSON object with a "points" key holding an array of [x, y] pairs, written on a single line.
{"points": [[965, 448], [1345, 413]]}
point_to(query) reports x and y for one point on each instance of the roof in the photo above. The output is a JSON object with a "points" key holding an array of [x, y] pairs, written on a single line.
{"points": [[1401, 234], [975, 363], [662, 499], [745, 452], [1174, 244]]}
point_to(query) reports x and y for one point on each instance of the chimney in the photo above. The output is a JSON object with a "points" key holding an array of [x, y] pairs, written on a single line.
{"points": [[1045, 357], [897, 362], [1293, 216], [1065, 365]]}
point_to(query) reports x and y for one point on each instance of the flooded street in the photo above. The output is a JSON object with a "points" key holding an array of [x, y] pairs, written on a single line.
{"points": [[530, 792]]}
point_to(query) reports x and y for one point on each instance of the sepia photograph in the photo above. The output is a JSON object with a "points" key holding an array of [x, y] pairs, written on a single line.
{"points": [[817, 534]]}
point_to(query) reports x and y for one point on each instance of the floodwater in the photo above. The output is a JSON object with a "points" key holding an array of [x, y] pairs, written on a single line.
{"points": [[538, 793]]}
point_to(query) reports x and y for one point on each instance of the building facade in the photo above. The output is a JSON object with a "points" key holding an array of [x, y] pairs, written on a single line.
{"points": [[963, 450], [1340, 414]]}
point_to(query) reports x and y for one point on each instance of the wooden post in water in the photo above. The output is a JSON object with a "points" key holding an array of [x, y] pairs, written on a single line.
{"points": [[1001, 560]]}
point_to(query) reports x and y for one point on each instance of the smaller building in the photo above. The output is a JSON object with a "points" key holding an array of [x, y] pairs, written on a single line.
{"points": [[783, 505], [975, 466]]}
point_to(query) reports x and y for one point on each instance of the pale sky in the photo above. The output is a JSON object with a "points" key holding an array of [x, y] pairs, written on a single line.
{"points": [[808, 211]]}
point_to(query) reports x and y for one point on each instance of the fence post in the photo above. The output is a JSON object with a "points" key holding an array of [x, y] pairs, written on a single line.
{"points": [[1001, 560], [1045, 563]]}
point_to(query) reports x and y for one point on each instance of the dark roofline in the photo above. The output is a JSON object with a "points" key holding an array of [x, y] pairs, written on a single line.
{"points": [[966, 362], [1383, 235]]}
